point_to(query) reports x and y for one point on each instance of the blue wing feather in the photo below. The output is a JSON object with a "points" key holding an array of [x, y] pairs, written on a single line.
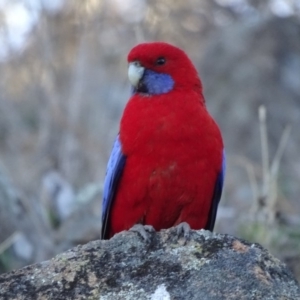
{"points": [[216, 196], [114, 171]]}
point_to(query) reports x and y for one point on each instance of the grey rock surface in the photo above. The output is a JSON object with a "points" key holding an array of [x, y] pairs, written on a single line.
{"points": [[206, 266]]}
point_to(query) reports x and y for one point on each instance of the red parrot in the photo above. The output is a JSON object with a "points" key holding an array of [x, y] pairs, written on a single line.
{"points": [[167, 165]]}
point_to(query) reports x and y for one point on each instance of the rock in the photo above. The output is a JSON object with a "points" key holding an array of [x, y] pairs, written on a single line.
{"points": [[206, 266], [22, 247], [58, 194], [10, 205]]}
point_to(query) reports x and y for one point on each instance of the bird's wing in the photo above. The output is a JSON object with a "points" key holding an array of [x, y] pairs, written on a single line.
{"points": [[216, 196], [114, 171]]}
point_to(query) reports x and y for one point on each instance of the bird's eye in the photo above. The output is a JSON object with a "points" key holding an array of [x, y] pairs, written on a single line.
{"points": [[160, 61]]}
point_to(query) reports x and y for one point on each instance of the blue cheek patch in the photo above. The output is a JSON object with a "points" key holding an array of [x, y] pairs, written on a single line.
{"points": [[153, 83], [157, 83]]}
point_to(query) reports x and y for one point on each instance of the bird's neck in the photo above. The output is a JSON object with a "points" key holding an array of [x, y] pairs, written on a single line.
{"points": [[157, 119]]}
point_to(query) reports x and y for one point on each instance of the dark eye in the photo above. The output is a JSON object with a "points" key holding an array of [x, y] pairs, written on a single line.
{"points": [[160, 61]]}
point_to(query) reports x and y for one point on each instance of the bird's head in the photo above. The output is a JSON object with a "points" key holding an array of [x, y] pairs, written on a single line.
{"points": [[158, 68]]}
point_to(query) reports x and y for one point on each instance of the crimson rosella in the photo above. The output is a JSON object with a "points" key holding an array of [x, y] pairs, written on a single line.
{"points": [[167, 165]]}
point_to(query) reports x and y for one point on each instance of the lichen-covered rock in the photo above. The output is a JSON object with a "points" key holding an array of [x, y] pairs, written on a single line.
{"points": [[206, 266]]}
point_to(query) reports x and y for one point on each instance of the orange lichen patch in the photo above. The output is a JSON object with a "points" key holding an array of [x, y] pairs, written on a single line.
{"points": [[239, 246], [262, 275]]}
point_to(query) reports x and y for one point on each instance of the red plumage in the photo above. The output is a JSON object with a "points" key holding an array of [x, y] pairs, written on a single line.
{"points": [[173, 149]]}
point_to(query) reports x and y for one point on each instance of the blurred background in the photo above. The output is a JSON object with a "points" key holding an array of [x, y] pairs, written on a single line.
{"points": [[63, 83]]}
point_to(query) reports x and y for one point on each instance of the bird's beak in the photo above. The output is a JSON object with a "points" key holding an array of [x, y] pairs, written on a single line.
{"points": [[135, 72]]}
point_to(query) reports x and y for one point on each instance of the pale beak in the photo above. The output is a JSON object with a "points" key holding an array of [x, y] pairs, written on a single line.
{"points": [[135, 72]]}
